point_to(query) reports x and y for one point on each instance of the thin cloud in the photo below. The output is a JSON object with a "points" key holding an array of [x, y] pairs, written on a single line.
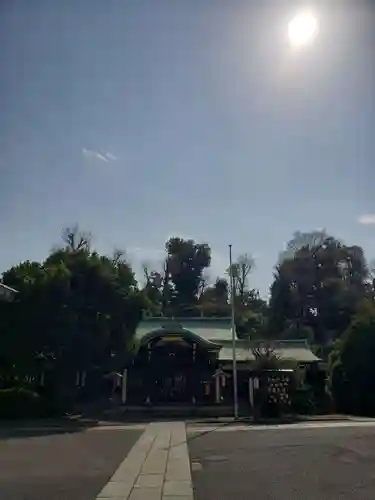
{"points": [[105, 156], [110, 156], [367, 219]]}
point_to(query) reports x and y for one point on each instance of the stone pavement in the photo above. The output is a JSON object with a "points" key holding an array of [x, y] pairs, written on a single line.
{"points": [[156, 468]]}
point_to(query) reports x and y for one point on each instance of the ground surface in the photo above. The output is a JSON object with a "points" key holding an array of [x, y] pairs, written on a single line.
{"points": [[70, 466], [325, 463]]}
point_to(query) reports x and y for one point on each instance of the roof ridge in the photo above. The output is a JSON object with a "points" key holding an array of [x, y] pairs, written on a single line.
{"points": [[290, 342], [183, 319]]}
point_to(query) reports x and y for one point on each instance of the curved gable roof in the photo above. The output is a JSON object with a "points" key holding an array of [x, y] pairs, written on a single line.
{"points": [[148, 331]]}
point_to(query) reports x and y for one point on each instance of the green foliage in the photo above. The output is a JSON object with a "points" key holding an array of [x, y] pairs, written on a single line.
{"points": [[351, 371], [176, 289], [303, 400], [294, 331], [318, 285], [76, 310], [265, 358], [20, 403], [186, 261]]}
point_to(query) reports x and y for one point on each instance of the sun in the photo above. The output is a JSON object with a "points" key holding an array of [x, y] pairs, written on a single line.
{"points": [[303, 29]]}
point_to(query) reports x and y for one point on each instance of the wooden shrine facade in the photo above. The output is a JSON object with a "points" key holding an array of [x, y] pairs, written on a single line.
{"points": [[174, 365], [189, 361]]}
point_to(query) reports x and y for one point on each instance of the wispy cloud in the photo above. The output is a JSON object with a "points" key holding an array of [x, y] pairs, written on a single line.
{"points": [[367, 219], [110, 156], [92, 154]]}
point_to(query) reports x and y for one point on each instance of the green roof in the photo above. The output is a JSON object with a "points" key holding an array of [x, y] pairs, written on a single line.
{"points": [[213, 329], [216, 333], [297, 350]]}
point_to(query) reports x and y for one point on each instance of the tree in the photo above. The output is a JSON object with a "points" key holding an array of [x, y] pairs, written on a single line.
{"points": [[309, 239], [240, 272], [250, 310], [214, 301], [153, 290], [186, 262], [320, 287], [27, 326], [76, 310], [351, 371], [265, 357], [75, 239], [177, 288]]}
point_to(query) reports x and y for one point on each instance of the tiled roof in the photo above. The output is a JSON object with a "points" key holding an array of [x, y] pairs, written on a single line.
{"points": [[218, 331], [215, 330], [297, 350]]}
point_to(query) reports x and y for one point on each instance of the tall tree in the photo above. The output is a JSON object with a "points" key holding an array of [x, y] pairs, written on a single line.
{"points": [[308, 239], [241, 270], [319, 287], [185, 264], [214, 301], [77, 309], [351, 371]]}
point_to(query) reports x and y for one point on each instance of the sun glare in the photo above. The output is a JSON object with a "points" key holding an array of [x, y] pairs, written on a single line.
{"points": [[302, 29]]}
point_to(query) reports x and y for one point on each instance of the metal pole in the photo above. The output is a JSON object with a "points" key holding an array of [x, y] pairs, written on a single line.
{"points": [[232, 293]]}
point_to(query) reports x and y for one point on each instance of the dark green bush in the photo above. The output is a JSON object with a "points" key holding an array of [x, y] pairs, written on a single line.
{"points": [[351, 366], [303, 400], [18, 402]]}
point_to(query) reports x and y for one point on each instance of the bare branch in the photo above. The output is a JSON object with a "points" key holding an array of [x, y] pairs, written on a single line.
{"points": [[76, 240]]}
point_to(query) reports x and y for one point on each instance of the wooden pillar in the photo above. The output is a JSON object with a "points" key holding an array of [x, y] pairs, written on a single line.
{"points": [[217, 389], [251, 392], [124, 386], [193, 376], [150, 376]]}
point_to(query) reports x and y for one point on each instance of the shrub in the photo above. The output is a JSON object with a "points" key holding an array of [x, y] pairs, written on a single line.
{"points": [[303, 400], [18, 402], [351, 366]]}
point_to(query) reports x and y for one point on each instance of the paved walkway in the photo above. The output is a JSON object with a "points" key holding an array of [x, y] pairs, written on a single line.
{"points": [[156, 468]]}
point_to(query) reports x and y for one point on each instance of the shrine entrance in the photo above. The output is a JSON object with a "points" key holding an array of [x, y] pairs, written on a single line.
{"points": [[173, 367], [172, 362], [172, 389]]}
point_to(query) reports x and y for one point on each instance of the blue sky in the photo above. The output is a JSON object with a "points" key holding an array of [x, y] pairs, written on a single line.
{"points": [[142, 119]]}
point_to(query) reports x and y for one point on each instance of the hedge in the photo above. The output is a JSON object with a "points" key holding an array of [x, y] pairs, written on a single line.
{"points": [[18, 402]]}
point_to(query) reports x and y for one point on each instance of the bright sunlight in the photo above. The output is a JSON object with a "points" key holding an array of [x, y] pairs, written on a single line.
{"points": [[302, 29]]}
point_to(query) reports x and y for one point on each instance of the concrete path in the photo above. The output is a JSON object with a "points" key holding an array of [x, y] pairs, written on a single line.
{"points": [[156, 468], [234, 427], [310, 463]]}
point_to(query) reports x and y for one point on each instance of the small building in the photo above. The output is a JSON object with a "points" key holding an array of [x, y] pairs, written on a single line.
{"points": [[190, 361]]}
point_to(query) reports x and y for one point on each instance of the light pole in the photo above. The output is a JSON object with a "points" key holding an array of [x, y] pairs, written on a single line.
{"points": [[232, 292]]}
